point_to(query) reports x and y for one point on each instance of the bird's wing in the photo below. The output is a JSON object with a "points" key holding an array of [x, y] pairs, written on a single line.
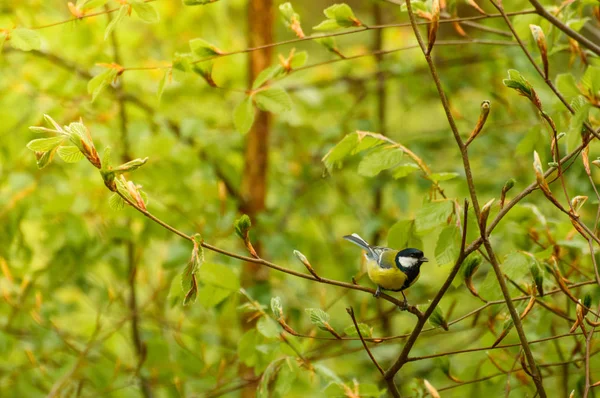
{"points": [[385, 256]]}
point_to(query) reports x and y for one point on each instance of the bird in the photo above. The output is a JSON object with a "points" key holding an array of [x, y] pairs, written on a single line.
{"points": [[391, 269]]}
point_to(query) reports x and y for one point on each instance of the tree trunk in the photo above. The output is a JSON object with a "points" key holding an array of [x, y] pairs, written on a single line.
{"points": [[254, 182]]}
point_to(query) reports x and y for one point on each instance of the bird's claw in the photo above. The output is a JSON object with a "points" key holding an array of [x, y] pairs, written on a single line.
{"points": [[377, 292]]}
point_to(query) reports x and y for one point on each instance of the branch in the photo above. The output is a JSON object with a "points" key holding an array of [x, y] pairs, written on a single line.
{"points": [[568, 31], [351, 313]]}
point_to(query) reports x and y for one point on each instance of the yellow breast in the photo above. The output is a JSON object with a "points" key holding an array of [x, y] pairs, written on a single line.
{"points": [[388, 278]]}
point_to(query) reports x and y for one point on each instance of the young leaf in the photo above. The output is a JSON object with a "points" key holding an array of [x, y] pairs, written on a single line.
{"points": [[517, 82], [319, 318], [299, 59], [276, 307], [274, 100], [25, 39], [437, 319], [243, 115], [203, 49], [591, 81], [267, 327], [45, 144], [540, 39], [438, 177], [242, 226], [70, 154], [116, 202], [98, 82], [566, 85], [365, 330], [118, 18], [404, 170], [582, 109], [189, 283], [338, 16], [432, 215], [378, 160], [343, 149], [291, 19], [145, 11], [448, 246], [268, 74], [44, 158]]}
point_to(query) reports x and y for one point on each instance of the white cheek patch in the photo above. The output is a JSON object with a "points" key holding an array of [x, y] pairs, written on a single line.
{"points": [[408, 261]]}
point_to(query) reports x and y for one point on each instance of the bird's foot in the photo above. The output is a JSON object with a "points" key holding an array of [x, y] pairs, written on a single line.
{"points": [[403, 306], [377, 292]]}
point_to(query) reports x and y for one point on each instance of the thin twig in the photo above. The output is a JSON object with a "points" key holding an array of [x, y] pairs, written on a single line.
{"points": [[350, 311]]}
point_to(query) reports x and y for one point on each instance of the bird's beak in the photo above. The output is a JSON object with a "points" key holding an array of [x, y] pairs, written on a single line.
{"points": [[424, 260]]}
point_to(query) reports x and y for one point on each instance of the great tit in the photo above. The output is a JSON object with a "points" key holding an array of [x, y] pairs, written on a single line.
{"points": [[390, 269]]}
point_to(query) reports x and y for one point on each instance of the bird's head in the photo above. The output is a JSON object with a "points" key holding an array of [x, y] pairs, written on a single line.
{"points": [[411, 257]]}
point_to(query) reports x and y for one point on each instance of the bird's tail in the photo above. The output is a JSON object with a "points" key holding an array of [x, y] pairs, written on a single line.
{"points": [[357, 240]]}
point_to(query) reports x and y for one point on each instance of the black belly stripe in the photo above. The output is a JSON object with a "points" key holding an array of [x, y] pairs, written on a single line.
{"points": [[411, 274]]}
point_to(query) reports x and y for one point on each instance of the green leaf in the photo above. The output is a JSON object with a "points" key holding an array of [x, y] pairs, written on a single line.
{"points": [[219, 275], [243, 116], [437, 319], [365, 330], [565, 83], [268, 375], [344, 148], [242, 226], [448, 246], [25, 39], [267, 74], [433, 215], [327, 373], [115, 202], [210, 296], [328, 24], [274, 100], [339, 16], [145, 11], [299, 59], [118, 18], [591, 81], [267, 327], [203, 49], [378, 160], [45, 144], [70, 154], [518, 82], [98, 82], [318, 317], [189, 279], [577, 23], [276, 307], [45, 158], [287, 11], [403, 234], [470, 265], [161, 85], [438, 177], [516, 265], [582, 110], [404, 170]]}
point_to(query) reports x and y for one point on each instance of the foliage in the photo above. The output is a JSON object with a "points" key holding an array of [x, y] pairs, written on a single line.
{"points": [[158, 298]]}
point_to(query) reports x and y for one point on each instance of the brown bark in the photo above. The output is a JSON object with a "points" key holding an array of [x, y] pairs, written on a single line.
{"points": [[254, 182]]}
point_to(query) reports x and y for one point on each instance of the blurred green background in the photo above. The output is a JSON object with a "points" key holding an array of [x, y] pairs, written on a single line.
{"points": [[68, 259]]}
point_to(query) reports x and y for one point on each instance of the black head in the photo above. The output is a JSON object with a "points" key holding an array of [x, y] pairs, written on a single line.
{"points": [[415, 255]]}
